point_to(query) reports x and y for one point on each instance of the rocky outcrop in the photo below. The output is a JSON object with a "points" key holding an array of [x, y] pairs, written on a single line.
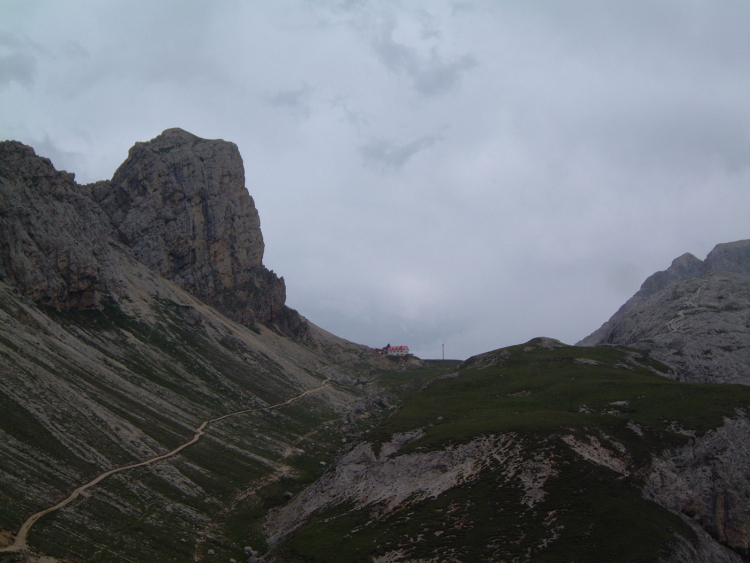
{"points": [[179, 203], [703, 550], [708, 481], [729, 258], [385, 481], [693, 316], [726, 258], [53, 237]]}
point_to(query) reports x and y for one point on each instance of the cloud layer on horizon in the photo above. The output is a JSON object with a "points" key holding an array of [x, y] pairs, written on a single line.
{"points": [[477, 173]]}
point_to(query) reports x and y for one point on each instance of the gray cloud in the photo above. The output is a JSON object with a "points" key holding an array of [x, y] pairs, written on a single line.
{"points": [[462, 7], [19, 64], [74, 50], [430, 73], [384, 155], [355, 117], [535, 191], [18, 67], [297, 100]]}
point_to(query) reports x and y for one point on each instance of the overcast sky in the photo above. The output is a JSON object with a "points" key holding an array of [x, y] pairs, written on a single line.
{"points": [[471, 172]]}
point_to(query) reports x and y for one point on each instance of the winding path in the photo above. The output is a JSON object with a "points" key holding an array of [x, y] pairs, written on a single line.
{"points": [[19, 543]]}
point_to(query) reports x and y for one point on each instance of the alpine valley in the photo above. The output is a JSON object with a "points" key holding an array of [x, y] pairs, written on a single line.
{"points": [[160, 402]]}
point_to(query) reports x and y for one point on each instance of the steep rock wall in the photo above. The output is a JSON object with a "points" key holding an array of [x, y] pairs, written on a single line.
{"points": [[179, 203], [693, 316], [53, 237], [708, 481]]}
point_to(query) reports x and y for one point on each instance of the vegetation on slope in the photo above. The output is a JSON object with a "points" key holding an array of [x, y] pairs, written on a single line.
{"points": [[537, 394], [86, 391], [538, 389]]}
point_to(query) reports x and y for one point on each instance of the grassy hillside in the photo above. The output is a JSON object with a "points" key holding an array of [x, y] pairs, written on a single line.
{"points": [[606, 402], [537, 390]]}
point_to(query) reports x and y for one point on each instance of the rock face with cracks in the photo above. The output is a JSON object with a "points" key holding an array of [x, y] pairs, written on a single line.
{"points": [[53, 237], [694, 317], [708, 481], [178, 204]]}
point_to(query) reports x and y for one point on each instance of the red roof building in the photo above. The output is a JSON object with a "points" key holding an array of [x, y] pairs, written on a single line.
{"points": [[397, 350]]}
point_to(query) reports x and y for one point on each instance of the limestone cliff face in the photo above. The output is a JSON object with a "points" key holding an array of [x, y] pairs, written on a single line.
{"points": [[692, 316], [708, 481], [179, 203], [384, 482], [726, 258], [53, 237]]}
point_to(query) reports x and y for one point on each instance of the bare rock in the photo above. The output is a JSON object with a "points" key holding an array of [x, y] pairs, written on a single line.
{"points": [[701, 550], [180, 204], [385, 481], [486, 360], [53, 237], [694, 317], [729, 258], [708, 481]]}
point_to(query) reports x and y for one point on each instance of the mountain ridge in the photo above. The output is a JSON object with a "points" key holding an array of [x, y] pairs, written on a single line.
{"points": [[692, 316], [178, 204]]}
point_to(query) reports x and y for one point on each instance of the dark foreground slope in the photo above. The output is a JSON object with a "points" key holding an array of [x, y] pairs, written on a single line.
{"points": [[694, 316], [538, 452]]}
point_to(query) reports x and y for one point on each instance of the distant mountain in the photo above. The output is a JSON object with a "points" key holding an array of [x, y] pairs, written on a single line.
{"points": [[694, 317]]}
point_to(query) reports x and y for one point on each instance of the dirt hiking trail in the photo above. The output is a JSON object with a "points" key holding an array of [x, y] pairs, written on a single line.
{"points": [[19, 543]]}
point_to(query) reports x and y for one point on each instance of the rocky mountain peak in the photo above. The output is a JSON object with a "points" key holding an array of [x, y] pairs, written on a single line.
{"points": [[726, 258], [693, 316], [178, 204], [682, 268], [52, 236], [176, 134], [687, 264], [729, 258]]}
